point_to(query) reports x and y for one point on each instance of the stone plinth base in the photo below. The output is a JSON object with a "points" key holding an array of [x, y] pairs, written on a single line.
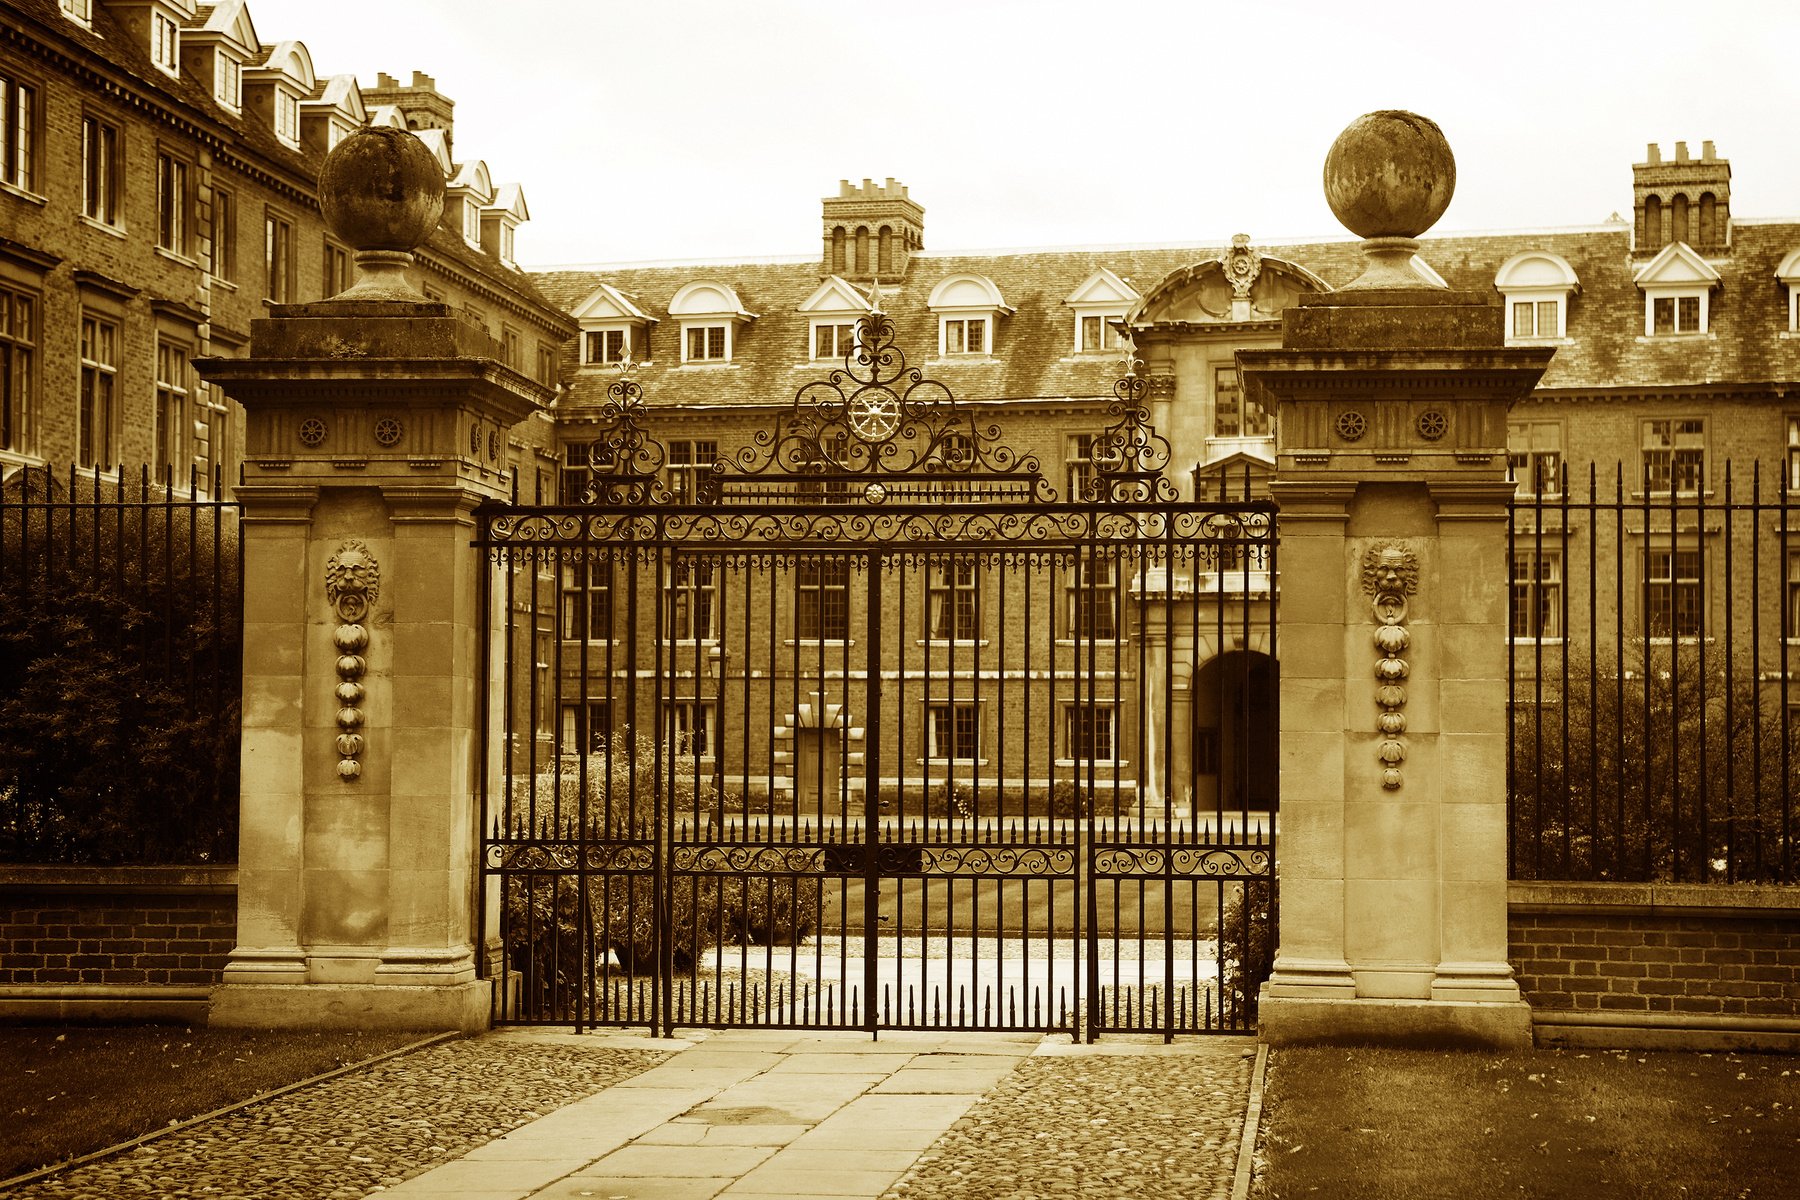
{"points": [[1294, 1021], [466, 1007]]}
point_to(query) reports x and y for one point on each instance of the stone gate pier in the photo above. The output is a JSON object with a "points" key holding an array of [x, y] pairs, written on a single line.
{"points": [[376, 422], [1391, 475]]}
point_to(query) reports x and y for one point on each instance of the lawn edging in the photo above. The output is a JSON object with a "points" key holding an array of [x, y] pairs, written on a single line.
{"points": [[135, 943], [1660, 965], [223, 1110]]}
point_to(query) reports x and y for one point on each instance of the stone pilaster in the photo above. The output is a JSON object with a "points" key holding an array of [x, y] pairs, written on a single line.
{"points": [[376, 422], [1391, 474]]}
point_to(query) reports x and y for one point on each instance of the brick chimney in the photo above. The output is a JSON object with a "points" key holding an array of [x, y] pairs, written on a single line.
{"points": [[871, 231], [423, 106], [1685, 199]]}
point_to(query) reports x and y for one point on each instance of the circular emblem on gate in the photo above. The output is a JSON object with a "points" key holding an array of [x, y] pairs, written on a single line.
{"points": [[874, 493], [874, 414]]}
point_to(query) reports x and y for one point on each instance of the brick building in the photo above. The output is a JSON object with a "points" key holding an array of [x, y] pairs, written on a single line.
{"points": [[1678, 343], [158, 190]]}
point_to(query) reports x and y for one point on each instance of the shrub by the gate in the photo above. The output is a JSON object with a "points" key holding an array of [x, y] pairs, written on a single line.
{"points": [[557, 944]]}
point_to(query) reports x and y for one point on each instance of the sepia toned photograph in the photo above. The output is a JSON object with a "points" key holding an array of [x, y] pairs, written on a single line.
{"points": [[777, 598]]}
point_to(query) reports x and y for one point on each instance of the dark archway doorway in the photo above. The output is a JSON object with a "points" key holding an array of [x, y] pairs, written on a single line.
{"points": [[1235, 733]]}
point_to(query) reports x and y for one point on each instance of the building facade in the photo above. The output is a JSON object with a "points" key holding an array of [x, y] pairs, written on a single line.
{"points": [[1678, 343], [158, 168]]}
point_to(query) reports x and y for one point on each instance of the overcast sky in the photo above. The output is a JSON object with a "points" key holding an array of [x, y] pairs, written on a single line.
{"points": [[678, 129]]}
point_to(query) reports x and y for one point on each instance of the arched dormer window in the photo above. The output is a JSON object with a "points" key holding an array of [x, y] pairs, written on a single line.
{"points": [[218, 48], [1537, 286], [469, 191], [276, 86], [1789, 275], [710, 314], [967, 308]]}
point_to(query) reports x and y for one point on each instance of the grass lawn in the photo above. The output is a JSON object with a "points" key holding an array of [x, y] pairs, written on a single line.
{"points": [[1549, 1125], [68, 1090]]}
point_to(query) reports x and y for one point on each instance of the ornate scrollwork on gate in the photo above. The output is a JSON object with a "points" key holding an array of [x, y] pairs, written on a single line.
{"points": [[1129, 455], [872, 420], [1193, 862], [550, 857], [625, 461]]}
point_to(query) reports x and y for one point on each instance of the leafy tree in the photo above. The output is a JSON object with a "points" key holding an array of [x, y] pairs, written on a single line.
{"points": [[120, 655], [1669, 773]]}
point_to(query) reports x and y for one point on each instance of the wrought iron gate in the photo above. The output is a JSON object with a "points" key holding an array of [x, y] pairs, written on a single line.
{"points": [[867, 729]]}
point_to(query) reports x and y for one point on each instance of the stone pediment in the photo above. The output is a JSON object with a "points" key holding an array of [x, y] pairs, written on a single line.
{"points": [[1239, 285], [1102, 289], [607, 303], [1675, 266], [836, 295]]}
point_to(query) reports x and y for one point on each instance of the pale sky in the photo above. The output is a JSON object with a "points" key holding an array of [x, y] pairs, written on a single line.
{"points": [[709, 129]]}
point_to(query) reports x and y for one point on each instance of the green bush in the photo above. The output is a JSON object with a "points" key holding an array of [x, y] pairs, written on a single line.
{"points": [[1248, 925], [1651, 776], [546, 924], [952, 798], [1068, 800], [120, 662]]}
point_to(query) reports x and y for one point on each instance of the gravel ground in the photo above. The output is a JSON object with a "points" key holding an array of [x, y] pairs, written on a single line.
{"points": [[351, 1136], [1138, 1125]]}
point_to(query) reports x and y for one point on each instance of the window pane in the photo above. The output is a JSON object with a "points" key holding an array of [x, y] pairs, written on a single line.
{"points": [[1522, 320], [1662, 315], [1546, 318]]}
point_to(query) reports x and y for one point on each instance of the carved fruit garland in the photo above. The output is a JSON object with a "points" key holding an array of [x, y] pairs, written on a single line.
{"points": [[352, 581], [1390, 575]]}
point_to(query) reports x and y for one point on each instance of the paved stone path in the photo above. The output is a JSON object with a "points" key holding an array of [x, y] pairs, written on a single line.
{"points": [[740, 1114], [350, 1136]]}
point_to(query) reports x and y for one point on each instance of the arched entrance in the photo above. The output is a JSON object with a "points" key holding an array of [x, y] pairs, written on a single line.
{"points": [[1235, 727]]}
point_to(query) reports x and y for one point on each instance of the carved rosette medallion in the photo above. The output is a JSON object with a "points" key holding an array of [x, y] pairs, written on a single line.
{"points": [[1390, 574], [352, 582], [1241, 265]]}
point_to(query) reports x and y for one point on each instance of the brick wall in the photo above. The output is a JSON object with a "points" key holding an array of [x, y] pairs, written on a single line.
{"points": [[112, 935], [1658, 955]]}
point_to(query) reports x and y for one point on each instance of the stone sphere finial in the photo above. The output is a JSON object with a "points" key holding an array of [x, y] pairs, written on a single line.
{"points": [[1388, 177], [381, 191]]}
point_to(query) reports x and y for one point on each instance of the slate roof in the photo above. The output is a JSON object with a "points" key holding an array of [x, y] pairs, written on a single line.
{"points": [[1033, 358]]}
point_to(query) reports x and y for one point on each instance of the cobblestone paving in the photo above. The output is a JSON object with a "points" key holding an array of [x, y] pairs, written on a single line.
{"points": [[1143, 1126], [351, 1136]]}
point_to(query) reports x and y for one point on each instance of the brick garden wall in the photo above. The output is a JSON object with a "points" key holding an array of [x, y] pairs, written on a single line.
{"points": [[1658, 956], [114, 941]]}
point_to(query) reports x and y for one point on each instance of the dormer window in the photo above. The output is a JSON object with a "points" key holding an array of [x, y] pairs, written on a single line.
{"points": [[710, 314], [228, 81], [967, 307], [1537, 286], [600, 347], [832, 312], [472, 224], [1677, 286], [1100, 304], [165, 42], [613, 328], [1788, 274], [79, 10], [287, 117], [273, 89]]}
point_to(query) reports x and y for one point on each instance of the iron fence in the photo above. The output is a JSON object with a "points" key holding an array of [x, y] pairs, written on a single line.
{"points": [[121, 599], [1654, 640]]}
